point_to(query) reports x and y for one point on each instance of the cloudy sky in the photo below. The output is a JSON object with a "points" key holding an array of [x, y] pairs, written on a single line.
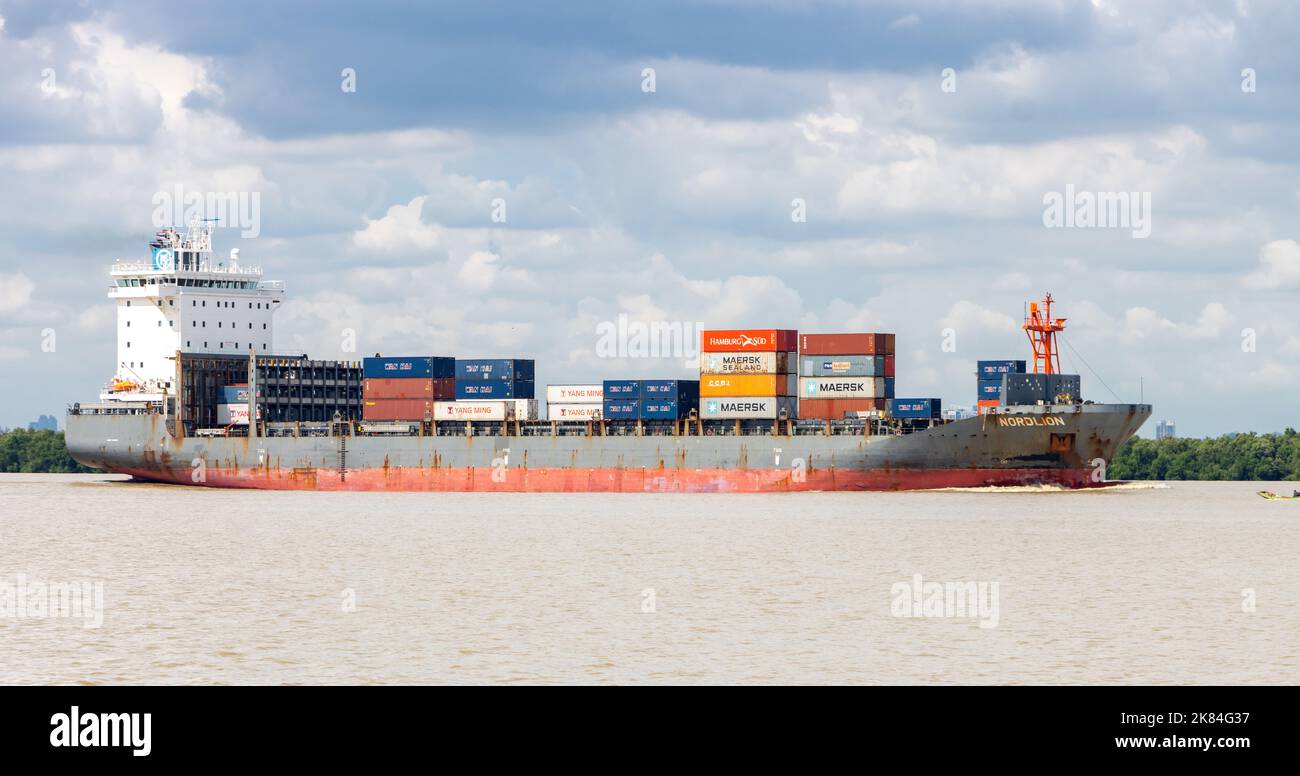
{"points": [[924, 189]]}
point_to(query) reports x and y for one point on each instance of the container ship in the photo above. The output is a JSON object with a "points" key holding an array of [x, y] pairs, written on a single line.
{"points": [[201, 397]]}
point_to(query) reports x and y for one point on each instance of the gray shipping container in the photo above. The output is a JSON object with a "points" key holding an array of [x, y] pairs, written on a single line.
{"points": [[1030, 388], [842, 366]]}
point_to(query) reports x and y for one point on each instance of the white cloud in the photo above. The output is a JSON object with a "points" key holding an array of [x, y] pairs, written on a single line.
{"points": [[1279, 266], [399, 230], [15, 291]]}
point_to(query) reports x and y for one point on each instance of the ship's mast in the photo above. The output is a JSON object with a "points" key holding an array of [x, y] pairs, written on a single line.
{"points": [[1041, 328]]}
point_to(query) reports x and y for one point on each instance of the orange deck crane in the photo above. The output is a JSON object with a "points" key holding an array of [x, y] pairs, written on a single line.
{"points": [[1041, 328]]}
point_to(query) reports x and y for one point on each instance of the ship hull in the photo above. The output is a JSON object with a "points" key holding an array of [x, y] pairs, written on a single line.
{"points": [[1063, 445]]}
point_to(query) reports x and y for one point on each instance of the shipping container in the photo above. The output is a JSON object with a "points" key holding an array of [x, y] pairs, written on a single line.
{"points": [[573, 412], [915, 408], [677, 390], [430, 367], [621, 389], [408, 388], [237, 393], [838, 409], [622, 409], [993, 370], [988, 389], [473, 410], [235, 414], [575, 394], [667, 409], [841, 365], [749, 340], [503, 369], [779, 362], [473, 390], [841, 387], [889, 365], [748, 407], [747, 385], [523, 409], [889, 387], [396, 409], [863, 344], [1018, 388], [984, 405], [889, 344]]}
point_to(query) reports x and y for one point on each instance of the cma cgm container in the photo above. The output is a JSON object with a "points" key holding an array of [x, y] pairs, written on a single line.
{"points": [[429, 367], [838, 409], [667, 409], [677, 390], [841, 387], [747, 385], [396, 409], [472, 390], [842, 366], [622, 389], [915, 408], [575, 394], [993, 370], [574, 412], [988, 389], [408, 388], [622, 409], [866, 344], [748, 340], [511, 369], [747, 407], [776, 362]]}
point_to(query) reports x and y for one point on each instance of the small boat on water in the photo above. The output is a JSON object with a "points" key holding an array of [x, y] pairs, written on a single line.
{"points": [[1270, 495]]}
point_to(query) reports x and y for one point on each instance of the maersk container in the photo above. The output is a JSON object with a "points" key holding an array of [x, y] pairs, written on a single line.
{"points": [[575, 394], [677, 390], [842, 366], [841, 387], [622, 389], [666, 409], [739, 363], [516, 369], [915, 408], [621, 409], [494, 389], [993, 370], [433, 367], [573, 412], [748, 407]]}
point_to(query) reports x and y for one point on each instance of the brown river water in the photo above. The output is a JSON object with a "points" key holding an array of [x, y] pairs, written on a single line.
{"points": [[1146, 583]]}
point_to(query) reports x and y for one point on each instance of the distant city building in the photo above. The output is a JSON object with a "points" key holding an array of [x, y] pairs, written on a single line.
{"points": [[1165, 430], [958, 413], [44, 423]]}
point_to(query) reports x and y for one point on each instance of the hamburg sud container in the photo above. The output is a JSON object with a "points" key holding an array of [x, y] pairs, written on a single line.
{"points": [[428, 367], [748, 340], [915, 408], [747, 407], [777, 362]]}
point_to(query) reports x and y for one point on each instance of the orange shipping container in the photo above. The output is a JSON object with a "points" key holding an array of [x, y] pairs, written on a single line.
{"points": [[749, 340], [747, 385], [984, 405]]}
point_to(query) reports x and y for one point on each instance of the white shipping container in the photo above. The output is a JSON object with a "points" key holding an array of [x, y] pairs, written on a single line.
{"points": [[472, 410], [746, 363], [574, 412], [575, 394], [841, 387], [525, 409], [747, 407], [236, 414]]}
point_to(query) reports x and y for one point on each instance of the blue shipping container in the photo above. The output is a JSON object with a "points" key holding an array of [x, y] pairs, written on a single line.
{"points": [[495, 369], [622, 389], [409, 366], [236, 394], [679, 390], [915, 408], [494, 389], [889, 387], [667, 409], [993, 370], [621, 409], [990, 389]]}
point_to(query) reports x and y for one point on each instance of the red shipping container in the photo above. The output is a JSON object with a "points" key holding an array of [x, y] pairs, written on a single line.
{"points": [[834, 409], [396, 409], [984, 405], [888, 346], [748, 340], [408, 388], [841, 344], [889, 365], [444, 388]]}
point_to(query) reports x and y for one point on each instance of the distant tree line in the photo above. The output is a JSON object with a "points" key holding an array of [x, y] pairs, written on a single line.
{"points": [[36, 451], [1233, 457]]}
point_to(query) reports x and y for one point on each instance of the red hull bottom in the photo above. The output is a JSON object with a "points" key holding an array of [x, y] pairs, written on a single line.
{"points": [[465, 480]]}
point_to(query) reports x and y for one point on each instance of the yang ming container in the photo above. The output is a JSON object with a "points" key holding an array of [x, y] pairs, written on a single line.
{"points": [[575, 394], [573, 412], [472, 410]]}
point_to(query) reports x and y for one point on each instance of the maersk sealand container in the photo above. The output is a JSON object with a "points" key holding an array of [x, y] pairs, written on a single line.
{"points": [[516, 369]]}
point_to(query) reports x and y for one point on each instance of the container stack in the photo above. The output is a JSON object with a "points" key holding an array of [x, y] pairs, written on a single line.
{"points": [[233, 409], [988, 384], [509, 380], [650, 399], [566, 403], [845, 374], [405, 387], [748, 374]]}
